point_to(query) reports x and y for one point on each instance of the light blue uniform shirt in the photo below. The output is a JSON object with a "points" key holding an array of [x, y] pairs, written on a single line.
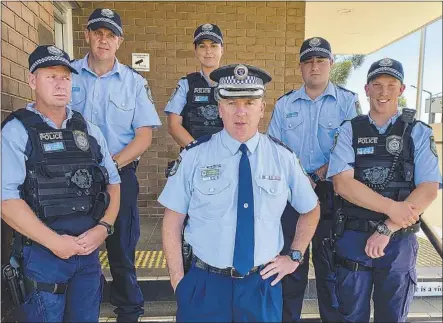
{"points": [[308, 126], [118, 102], [14, 140], [205, 187], [426, 163], [178, 99]]}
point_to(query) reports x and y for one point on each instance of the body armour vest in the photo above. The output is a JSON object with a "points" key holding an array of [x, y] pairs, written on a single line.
{"points": [[384, 163], [65, 186], [200, 114]]}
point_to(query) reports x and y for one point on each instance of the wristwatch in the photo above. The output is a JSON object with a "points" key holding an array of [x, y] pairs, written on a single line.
{"points": [[315, 178], [296, 255], [109, 227], [116, 164], [382, 228]]}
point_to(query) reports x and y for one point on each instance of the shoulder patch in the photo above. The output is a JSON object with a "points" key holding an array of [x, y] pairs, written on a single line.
{"points": [[279, 142], [345, 89], [358, 107], [198, 141], [172, 168], [286, 94]]}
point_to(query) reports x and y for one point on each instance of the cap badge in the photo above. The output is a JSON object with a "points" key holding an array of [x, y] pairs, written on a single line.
{"points": [[107, 13], [240, 72], [385, 62], [207, 27], [314, 42], [55, 51]]}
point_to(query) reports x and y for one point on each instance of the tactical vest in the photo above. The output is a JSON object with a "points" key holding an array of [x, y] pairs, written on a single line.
{"points": [[385, 163], [65, 186], [200, 114]]}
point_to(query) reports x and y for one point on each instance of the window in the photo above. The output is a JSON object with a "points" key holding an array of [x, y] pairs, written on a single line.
{"points": [[63, 26]]}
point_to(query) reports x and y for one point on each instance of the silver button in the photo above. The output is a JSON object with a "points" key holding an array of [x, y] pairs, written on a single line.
{"points": [[245, 205], [95, 112], [312, 151], [272, 190], [123, 104], [329, 124], [211, 190], [290, 125]]}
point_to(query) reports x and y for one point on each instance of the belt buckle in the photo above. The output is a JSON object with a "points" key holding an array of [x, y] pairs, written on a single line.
{"points": [[234, 275]]}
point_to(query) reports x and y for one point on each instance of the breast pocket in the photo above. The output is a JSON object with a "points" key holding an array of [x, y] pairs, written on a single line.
{"points": [[78, 100], [211, 199], [121, 110], [272, 198], [292, 127], [328, 126]]}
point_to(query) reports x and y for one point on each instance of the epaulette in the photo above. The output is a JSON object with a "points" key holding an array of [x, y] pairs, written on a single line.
{"points": [[286, 94], [198, 141], [279, 142], [73, 60], [345, 89], [423, 123], [131, 68], [343, 122]]}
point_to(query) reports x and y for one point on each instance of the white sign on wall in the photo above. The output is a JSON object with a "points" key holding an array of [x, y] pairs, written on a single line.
{"points": [[428, 289], [140, 62]]}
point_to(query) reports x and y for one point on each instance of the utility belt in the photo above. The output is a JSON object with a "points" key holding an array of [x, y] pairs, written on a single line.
{"points": [[131, 165], [230, 271]]}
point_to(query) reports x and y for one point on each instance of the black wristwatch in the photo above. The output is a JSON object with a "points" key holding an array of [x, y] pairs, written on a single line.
{"points": [[382, 228], [109, 227], [296, 255], [315, 178]]}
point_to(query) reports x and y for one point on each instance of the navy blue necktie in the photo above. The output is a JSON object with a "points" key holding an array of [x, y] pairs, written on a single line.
{"points": [[244, 235]]}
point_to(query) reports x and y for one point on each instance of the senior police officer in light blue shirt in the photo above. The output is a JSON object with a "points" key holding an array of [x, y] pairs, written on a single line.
{"points": [[385, 167], [306, 120], [60, 193], [118, 100], [234, 185]]}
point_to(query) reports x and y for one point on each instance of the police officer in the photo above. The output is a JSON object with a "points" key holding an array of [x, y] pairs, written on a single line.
{"points": [[192, 110], [118, 100], [57, 179], [306, 120], [234, 185], [385, 166]]}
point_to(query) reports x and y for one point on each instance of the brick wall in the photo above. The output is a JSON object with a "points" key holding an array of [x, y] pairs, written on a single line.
{"points": [[25, 24], [264, 34]]}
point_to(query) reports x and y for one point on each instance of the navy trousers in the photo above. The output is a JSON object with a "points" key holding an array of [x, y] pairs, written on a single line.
{"points": [[207, 297], [126, 295], [392, 281], [80, 302], [294, 285]]}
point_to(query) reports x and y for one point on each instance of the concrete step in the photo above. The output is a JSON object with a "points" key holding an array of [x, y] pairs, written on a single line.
{"points": [[422, 310]]}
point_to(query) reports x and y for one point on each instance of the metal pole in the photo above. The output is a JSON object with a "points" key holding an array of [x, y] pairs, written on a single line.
{"points": [[420, 72], [431, 115]]}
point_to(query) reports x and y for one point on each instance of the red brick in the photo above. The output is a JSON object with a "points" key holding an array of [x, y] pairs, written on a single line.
{"points": [[6, 67], [15, 39], [44, 15], [18, 73], [4, 32], [22, 27], [33, 6]]}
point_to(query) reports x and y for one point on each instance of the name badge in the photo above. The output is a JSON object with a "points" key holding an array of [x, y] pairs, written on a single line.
{"points": [[201, 98], [54, 146], [210, 173], [270, 177], [365, 151], [75, 89]]}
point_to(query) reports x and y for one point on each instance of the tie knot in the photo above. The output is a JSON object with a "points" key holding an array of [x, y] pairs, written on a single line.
{"points": [[244, 149]]}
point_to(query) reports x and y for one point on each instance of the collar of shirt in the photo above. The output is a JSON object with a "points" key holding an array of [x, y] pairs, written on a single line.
{"points": [[382, 129], [115, 69], [207, 79], [301, 93], [69, 113], [234, 145]]}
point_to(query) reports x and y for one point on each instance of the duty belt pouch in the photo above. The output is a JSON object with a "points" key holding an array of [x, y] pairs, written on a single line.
{"points": [[101, 175], [187, 255], [102, 200], [339, 224]]}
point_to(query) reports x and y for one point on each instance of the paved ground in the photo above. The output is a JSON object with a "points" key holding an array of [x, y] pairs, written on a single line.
{"points": [[150, 260]]}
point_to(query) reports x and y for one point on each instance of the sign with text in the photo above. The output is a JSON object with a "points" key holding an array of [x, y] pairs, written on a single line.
{"points": [[140, 62]]}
